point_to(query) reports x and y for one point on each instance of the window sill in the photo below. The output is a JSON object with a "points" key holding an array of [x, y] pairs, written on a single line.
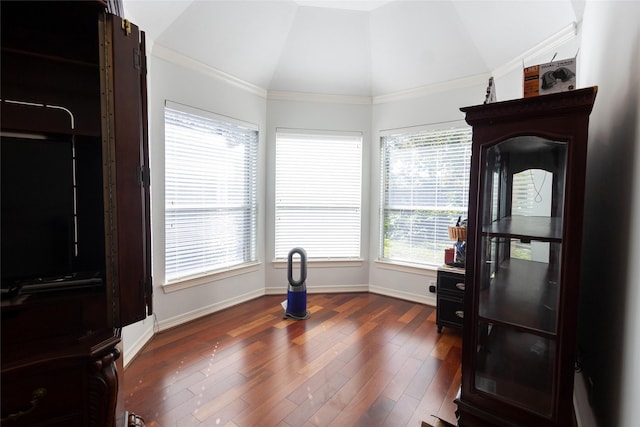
{"points": [[406, 267], [212, 276], [323, 263]]}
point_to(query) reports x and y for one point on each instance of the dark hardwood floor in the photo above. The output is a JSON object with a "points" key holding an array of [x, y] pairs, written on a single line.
{"points": [[360, 360]]}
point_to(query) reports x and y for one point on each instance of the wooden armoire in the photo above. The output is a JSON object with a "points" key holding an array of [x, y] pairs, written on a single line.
{"points": [[75, 228]]}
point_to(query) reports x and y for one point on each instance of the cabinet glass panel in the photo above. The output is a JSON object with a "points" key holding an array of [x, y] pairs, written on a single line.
{"points": [[524, 177], [518, 292], [520, 248], [516, 366]]}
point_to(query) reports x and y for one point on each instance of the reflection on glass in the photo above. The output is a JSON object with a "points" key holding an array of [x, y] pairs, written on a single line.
{"points": [[531, 196], [516, 366], [517, 292], [518, 289]]}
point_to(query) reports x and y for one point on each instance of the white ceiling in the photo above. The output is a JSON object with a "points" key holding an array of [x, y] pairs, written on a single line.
{"points": [[357, 47]]}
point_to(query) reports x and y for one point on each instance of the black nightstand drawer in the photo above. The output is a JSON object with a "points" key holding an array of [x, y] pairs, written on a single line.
{"points": [[450, 299], [450, 281], [450, 312]]}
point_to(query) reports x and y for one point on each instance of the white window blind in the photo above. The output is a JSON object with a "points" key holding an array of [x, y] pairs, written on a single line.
{"points": [[318, 193], [425, 188], [210, 192]]}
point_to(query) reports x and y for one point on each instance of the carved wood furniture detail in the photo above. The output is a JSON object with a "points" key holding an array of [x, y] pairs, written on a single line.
{"points": [[75, 209]]}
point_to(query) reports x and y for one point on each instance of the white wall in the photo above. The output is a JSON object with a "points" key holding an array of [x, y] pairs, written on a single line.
{"points": [[192, 85], [336, 114], [195, 88], [441, 104], [433, 107], [610, 297]]}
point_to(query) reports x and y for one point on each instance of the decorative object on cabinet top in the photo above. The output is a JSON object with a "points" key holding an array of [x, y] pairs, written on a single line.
{"points": [[539, 106]]}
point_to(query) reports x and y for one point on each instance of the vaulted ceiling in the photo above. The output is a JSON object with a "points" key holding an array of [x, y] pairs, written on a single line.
{"points": [[358, 47]]}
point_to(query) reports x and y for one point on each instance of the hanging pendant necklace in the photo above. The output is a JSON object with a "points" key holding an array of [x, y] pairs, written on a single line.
{"points": [[538, 196]]}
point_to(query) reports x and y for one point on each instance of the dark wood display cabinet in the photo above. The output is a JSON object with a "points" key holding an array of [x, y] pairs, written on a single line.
{"points": [[523, 260], [75, 229], [450, 298]]}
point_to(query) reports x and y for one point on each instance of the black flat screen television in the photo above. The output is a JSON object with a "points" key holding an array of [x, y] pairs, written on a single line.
{"points": [[41, 201]]}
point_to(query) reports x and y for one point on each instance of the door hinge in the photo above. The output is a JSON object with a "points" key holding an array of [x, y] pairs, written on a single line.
{"points": [[148, 295], [143, 175], [137, 59], [126, 26]]}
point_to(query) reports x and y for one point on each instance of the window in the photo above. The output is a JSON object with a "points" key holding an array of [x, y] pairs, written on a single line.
{"points": [[318, 193], [425, 188], [210, 192]]}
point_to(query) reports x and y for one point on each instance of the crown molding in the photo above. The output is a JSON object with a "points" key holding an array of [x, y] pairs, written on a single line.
{"points": [[479, 79], [177, 58], [318, 97], [558, 39], [418, 92], [564, 35]]}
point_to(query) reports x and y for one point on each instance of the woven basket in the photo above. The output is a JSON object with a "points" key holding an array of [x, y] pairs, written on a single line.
{"points": [[457, 233]]}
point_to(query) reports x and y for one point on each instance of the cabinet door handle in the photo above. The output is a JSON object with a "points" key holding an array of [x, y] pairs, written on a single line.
{"points": [[36, 396], [460, 286], [460, 314]]}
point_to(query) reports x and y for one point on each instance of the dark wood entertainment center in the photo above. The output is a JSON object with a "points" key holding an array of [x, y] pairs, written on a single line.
{"points": [[75, 209]]}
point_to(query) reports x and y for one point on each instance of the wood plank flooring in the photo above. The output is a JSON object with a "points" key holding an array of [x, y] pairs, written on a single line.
{"points": [[361, 359]]}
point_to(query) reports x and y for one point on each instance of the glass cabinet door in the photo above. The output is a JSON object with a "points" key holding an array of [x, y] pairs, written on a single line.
{"points": [[520, 245]]}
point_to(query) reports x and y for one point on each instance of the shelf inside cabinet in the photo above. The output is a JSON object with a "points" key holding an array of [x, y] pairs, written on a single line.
{"points": [[91, 63], [52, 30], [526, 228], [522, 294]]}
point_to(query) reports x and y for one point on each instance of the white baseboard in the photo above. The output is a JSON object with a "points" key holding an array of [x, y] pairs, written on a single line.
{"points": [[422, 299], [318, 289], [195, 314], [584, 414], [131, 351]]}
